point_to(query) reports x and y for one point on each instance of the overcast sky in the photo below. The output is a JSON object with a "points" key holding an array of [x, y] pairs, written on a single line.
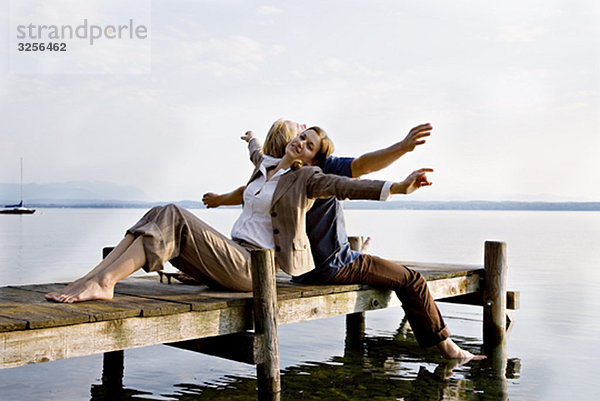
{"points": [[512, 89]]}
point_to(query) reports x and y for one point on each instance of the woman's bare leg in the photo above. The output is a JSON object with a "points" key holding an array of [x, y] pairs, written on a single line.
{"points": [[100, 283], [119, 250]]}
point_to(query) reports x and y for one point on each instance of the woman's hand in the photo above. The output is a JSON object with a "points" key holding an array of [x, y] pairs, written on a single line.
{"points": [[248, 135], [211, 200], [414, 181]]}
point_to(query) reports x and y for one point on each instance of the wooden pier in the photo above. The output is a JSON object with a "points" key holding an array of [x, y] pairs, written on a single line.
{"points": [[234, 325]]}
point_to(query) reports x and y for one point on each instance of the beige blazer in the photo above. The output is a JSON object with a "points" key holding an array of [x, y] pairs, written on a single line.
{"points": [[294, 195]]}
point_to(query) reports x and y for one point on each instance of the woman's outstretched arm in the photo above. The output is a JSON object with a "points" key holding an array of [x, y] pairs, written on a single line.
{"points": [[321, 185], [235, 197], [254, 147]]}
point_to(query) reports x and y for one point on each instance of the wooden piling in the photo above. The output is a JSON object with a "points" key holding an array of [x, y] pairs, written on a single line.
{"points": [[265, 322], [112, 362], [494, 294], [355, 322], [112, 371]]}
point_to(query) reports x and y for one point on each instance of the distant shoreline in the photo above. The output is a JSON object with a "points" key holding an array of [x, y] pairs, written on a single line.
{"points": [[350, 205]]}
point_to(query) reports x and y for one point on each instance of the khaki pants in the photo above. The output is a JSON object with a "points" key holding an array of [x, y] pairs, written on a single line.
{"points": [[170, 233], [423, 315]]}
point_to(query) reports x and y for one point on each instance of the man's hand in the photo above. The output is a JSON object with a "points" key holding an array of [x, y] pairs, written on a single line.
{"points": [[414, 181], [379, 159], [211, 200], [415, 137], [248, 135]]}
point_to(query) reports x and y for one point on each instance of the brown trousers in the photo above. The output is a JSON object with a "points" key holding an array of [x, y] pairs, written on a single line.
{"points": [[423, 315], [173, 234]]}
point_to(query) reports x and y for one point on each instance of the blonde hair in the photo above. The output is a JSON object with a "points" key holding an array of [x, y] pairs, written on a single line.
{"points": [[278, 137]]}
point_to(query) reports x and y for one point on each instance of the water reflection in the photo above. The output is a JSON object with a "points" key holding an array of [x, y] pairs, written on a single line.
{"points": [[374, 368]]}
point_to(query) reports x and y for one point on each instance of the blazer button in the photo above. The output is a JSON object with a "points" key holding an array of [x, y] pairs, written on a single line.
{"points": [[277, 249], [276, 231], [273, 214]]}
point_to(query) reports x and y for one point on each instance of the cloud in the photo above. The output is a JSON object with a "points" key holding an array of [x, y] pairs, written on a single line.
{"points": [[235, 57], [268, 10], [521, 34]]}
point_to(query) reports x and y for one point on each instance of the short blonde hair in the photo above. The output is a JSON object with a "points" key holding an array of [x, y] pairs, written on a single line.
{"points": [[278, 137]]}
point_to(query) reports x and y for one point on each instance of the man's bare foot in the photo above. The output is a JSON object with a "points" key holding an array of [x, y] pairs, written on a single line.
{"points": [[450, 350], [366, 246], [81, 290]]}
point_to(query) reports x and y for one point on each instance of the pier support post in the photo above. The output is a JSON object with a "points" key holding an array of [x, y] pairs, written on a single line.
{"points": [[112, 371], [112, 362], [355, 322], [494, 295], [265, 323]]}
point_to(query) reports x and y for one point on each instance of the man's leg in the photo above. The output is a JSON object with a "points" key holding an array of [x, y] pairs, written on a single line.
{"points": [[411, 288]]}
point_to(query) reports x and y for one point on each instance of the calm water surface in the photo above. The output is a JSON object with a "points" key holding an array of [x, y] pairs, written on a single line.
{"points": [[552, 351]]}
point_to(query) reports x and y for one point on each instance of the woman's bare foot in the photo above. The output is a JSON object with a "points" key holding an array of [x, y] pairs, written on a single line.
{"points": [[450, 350], [81, 290]]}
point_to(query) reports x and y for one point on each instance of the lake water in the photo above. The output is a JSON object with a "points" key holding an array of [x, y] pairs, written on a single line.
{"points": [[553, 349]]}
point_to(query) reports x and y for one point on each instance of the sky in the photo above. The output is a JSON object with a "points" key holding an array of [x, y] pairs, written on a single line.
{"points": [[512, 89]]}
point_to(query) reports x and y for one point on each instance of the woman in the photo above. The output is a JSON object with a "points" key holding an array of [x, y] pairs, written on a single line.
{"points": [[276, 199]]}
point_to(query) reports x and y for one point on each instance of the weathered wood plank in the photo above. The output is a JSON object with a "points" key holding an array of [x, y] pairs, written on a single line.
{"points": [[454, 286], [32, 346], [9, 324], [199, 297], [97, 311], [121, 304], [38, 316]]}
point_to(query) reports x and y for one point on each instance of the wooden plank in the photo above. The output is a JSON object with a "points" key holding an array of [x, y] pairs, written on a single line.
{"points": [[198, 297], [9, 324], [434, 266], [97, 310], [23, 347], [38, 315], [342, 303], [317, 307], [454, 286], [127, 304]]}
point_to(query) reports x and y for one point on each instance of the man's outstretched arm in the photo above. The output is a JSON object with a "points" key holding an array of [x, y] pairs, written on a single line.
{"points": [[234, 197], [379, 159]]}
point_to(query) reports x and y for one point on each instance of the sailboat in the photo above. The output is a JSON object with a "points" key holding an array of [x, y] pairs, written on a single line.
{"points": [[18, 208]]}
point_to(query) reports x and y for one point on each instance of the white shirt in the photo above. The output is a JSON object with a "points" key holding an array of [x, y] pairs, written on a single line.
{"points": [[254, 224]]}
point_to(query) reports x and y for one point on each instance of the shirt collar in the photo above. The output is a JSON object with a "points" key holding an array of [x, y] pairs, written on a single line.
{"points": [[270, 161]]}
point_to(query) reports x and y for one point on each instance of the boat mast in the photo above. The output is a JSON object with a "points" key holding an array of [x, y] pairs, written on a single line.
{"points": [[21, 179]]}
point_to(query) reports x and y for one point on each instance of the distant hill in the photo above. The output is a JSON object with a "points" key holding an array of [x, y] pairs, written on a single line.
{"points": [[99, 194], [72, 190], [474, 205]]}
